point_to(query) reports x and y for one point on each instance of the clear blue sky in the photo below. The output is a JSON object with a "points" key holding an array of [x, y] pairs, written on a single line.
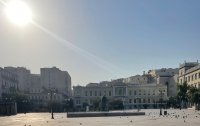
{"points": [[131, 35]]}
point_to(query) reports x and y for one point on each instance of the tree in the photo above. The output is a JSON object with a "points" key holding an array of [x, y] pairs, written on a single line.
{"points": [[116, 105], [96, 104], [191, 93], [23, 104], [103, 103], [182, 94], [196, 99]]}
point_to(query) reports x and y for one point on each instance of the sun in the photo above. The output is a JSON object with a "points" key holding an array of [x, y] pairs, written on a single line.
{"points": [[18, 12]]}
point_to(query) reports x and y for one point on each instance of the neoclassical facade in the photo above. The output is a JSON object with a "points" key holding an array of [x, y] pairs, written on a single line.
{"points": [[132, 95]]}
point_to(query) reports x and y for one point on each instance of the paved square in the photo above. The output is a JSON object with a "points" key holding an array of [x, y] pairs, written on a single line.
{"points": [[175, 118]]}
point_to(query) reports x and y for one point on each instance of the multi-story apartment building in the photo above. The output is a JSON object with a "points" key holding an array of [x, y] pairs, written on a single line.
{"points": [[37, 86], [132, 95], [23, 77], [39, 94], [8, 82], [55, 78], [190, 72]]}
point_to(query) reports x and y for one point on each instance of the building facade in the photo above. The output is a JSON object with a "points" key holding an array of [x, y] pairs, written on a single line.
{"points": [[23, 77], [54, 78], [190, 72], [132, 95], [8, 82]]}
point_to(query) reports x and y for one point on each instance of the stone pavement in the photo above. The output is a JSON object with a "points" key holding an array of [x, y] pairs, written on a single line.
{"points": [[174, 118]]}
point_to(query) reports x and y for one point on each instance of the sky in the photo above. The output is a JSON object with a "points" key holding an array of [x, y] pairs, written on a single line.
{"points": [[101, 40]]}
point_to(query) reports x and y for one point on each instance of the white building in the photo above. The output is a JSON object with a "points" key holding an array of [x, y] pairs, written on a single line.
{"points": [[132, 95], [55, 78], [168, 77], [23, 77], [139, 79], [8, 82]]}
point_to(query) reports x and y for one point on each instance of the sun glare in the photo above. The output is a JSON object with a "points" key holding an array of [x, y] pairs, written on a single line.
{"points": [[18, 12]]}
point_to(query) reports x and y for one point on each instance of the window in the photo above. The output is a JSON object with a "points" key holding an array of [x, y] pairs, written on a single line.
{"points": [[95, 93], [120, 91], [149, 100], [109, 93], [85, 93], [135, 92], [90, 93], [195, 76], [130, 92], [130, 100]]}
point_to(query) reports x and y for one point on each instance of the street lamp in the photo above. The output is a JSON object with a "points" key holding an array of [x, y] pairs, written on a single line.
{"points": [[123, 100], [180, 98], [52, 92], [25, 105], [137, 99], [161, 96]]}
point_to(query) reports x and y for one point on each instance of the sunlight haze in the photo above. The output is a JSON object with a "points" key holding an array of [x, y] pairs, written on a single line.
{"points": [[99, 40]]}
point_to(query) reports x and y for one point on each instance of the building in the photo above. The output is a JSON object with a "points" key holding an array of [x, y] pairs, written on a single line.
{"points": [[190, 72], [54, 78], [132, 95], [138, 79], [8, 82], [168, 77], [23, 77]]}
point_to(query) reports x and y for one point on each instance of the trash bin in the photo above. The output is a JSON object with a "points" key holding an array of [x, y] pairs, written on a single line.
{"points": [[165, 112]]}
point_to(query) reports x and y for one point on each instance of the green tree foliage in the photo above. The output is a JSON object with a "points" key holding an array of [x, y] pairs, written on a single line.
{"points": [[104, 103], [23, 104], [96, 104], [116, 105], [182, 94]]}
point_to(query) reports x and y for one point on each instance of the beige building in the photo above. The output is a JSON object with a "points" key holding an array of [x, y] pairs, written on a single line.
{"points": [[132, 95], [190, 72]]}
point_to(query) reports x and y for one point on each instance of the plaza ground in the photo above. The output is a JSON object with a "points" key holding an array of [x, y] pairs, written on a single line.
{"points": [[184, 117]]}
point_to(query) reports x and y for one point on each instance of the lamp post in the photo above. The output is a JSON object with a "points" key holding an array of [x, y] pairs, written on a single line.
{"points": [[161, 95], [180, 104], [137, 99], [25, 105], [52, 92], [123, 100]]}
